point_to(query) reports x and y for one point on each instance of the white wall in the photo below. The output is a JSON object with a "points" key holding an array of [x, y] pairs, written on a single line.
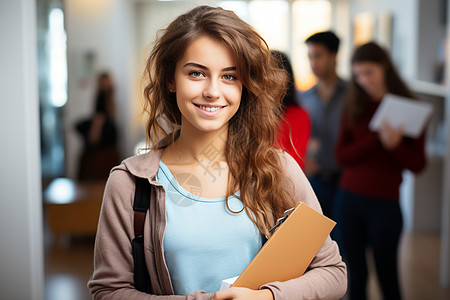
{"points": [[445, 234], [152, 16], [105, 28], [21, 227], [405, 25], [431, 31], [341, 24]]}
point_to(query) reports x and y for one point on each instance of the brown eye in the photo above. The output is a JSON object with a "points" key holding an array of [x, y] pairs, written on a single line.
{"points": [[195, 74], [229, 77]]}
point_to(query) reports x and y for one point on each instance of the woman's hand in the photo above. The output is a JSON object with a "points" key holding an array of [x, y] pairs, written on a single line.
{"points": [[239, 293], [95, 131], [390, 137]]}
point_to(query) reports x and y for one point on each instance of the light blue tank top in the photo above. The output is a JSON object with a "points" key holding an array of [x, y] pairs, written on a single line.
{"points": [[204, 243]]}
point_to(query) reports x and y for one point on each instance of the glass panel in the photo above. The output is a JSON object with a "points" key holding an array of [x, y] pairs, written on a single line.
{"points": [[52, 72]]}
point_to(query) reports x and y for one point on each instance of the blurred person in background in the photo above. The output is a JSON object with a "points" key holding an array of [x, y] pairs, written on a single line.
{"points": [[367, 207], [323, 103], [295, 128], [99, 133]]}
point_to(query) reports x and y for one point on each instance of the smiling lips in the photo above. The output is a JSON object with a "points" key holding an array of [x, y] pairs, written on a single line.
{"points": [[209, 110]]}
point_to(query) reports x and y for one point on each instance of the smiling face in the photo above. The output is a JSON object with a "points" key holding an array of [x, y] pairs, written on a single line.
{"points": [[207, 86]]}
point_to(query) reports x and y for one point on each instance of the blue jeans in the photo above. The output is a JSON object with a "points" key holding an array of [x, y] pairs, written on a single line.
{"points": [[364, 222], [325, 189]]}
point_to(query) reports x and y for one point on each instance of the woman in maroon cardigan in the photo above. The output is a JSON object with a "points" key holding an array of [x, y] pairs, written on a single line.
{"points": [[367, 203]]}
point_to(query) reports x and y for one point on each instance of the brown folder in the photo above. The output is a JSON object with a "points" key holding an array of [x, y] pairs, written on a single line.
{"points": [[290, 250]]}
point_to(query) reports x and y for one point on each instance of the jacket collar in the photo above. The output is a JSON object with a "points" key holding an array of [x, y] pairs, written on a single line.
{"points": [[144, 165]]}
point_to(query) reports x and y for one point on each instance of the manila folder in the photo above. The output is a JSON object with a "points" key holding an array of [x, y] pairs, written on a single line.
{"points": [[290, 250]]}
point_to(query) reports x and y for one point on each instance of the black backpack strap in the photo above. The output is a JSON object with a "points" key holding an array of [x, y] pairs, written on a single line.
{"points": [[140, 207]]}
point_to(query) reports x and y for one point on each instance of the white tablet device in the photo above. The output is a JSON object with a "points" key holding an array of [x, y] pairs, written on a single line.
{"points": [[401, 111]]}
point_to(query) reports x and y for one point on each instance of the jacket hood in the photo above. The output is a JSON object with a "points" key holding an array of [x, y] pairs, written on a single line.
{"points": [[143, 165]]}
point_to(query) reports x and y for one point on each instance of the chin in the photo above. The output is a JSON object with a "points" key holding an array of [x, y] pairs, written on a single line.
{"points": [[210, 128]]}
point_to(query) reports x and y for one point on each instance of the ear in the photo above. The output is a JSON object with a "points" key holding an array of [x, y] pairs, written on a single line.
{"points": [[334, 56], [171, 86]]}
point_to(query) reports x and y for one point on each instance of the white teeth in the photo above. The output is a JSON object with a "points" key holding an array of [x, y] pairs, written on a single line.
{"points": [[210, 108]]}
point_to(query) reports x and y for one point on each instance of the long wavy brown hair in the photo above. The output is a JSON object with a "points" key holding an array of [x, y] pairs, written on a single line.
{"points": [[254, 163], [357, 100]]}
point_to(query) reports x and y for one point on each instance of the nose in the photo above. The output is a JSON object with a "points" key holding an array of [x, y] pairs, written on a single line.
{"points": [[361, 79], [211, 90]]}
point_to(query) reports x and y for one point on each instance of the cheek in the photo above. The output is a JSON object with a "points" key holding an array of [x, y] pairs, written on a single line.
{"points": [[380, 79], [317, 62], [331, 62], [233, 93], [365, 81], [359, 79], [187, 89], [370, 81], [313, 62]]}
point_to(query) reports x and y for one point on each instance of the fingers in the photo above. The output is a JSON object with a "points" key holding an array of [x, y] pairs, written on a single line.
{"points": [[233, 293], [401, 130], [239, 293], [390, 137], [388, 129], [391, 140], [224, 294], [385, 125]]}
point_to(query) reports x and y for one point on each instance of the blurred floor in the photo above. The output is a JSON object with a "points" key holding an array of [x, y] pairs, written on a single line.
{"points": [[419, 268], [69, 266], [419, 259]]}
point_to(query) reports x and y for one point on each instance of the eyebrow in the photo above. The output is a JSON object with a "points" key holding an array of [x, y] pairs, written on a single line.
{"points": [[192, 64]]}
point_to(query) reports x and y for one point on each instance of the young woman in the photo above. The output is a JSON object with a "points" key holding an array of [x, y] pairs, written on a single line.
{"points": [[367, 204], [218, 184]]}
